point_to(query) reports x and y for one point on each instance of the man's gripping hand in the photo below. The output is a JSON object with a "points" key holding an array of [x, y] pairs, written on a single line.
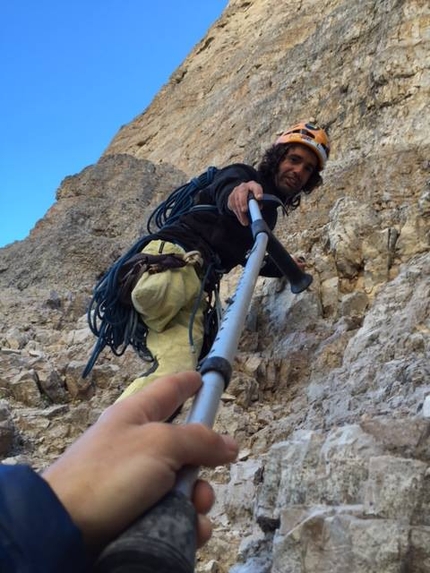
{"points": [[238, 199]]}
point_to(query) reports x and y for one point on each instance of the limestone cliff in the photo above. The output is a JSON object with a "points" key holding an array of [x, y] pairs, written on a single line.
{"points": [[329, 398]]}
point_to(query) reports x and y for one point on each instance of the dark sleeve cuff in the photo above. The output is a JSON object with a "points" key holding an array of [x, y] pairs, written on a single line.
{"points": [[37, 534], [226, 180]]}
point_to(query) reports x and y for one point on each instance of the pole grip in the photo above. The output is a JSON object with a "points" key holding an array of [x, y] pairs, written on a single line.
{"points": [[299, 280], [163, 540]]}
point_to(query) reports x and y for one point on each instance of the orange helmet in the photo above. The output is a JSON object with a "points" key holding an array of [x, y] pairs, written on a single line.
{"points": [[311, 135]]}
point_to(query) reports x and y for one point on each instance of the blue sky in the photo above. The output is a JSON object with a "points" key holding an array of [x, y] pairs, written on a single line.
{"points": [[72, 73]]}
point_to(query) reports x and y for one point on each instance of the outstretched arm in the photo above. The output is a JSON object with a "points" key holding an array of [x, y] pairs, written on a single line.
{"points": [[129, 460]]}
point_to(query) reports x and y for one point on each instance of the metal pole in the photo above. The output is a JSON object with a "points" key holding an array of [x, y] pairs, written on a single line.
{"points": [[163, 539]]}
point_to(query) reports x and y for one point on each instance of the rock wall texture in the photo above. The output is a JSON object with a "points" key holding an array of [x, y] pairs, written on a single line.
{"points": [[330, 394]]}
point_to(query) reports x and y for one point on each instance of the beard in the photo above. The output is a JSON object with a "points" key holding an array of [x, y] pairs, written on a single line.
{"points": [[287, 185]]}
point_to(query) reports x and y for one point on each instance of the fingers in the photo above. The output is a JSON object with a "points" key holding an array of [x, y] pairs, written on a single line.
{"points": [[203, 496], [255, 188], [157, 401], [197, 445], [204, 530], [161, 400], [238, 199], [203, 499]]}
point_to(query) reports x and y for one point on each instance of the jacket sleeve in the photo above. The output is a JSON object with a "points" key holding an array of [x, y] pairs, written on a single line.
{"points": [[37, 534], [225, 180]]}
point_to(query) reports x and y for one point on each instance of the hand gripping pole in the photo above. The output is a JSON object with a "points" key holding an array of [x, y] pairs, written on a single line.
{"points": [[163, 539]]}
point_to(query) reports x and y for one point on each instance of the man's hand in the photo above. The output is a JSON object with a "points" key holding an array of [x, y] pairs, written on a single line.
{"points": [[128, 461], [238, 199]]}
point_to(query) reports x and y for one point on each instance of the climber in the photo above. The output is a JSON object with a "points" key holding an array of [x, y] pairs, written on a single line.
{"points": [[119, 468], [219, 237]]}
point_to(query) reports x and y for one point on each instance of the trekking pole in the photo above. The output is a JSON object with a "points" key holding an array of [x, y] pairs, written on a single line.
{"points": [[163, 540]]}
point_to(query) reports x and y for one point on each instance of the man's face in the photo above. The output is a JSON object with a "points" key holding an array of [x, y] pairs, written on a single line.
{"points": [[295, 169]]}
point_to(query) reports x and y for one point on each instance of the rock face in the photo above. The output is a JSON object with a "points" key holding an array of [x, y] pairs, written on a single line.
{"points": [[330, 394]]}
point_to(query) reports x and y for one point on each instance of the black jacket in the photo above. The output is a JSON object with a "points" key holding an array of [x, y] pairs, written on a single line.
{"points": [[217, 231], [37, 534]]}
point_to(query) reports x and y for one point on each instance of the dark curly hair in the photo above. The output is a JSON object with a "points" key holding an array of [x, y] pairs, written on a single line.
{"points": [[268, 167]]}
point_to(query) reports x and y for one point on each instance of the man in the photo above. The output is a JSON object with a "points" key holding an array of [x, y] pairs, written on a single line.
{"points": [[171, 302]]}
